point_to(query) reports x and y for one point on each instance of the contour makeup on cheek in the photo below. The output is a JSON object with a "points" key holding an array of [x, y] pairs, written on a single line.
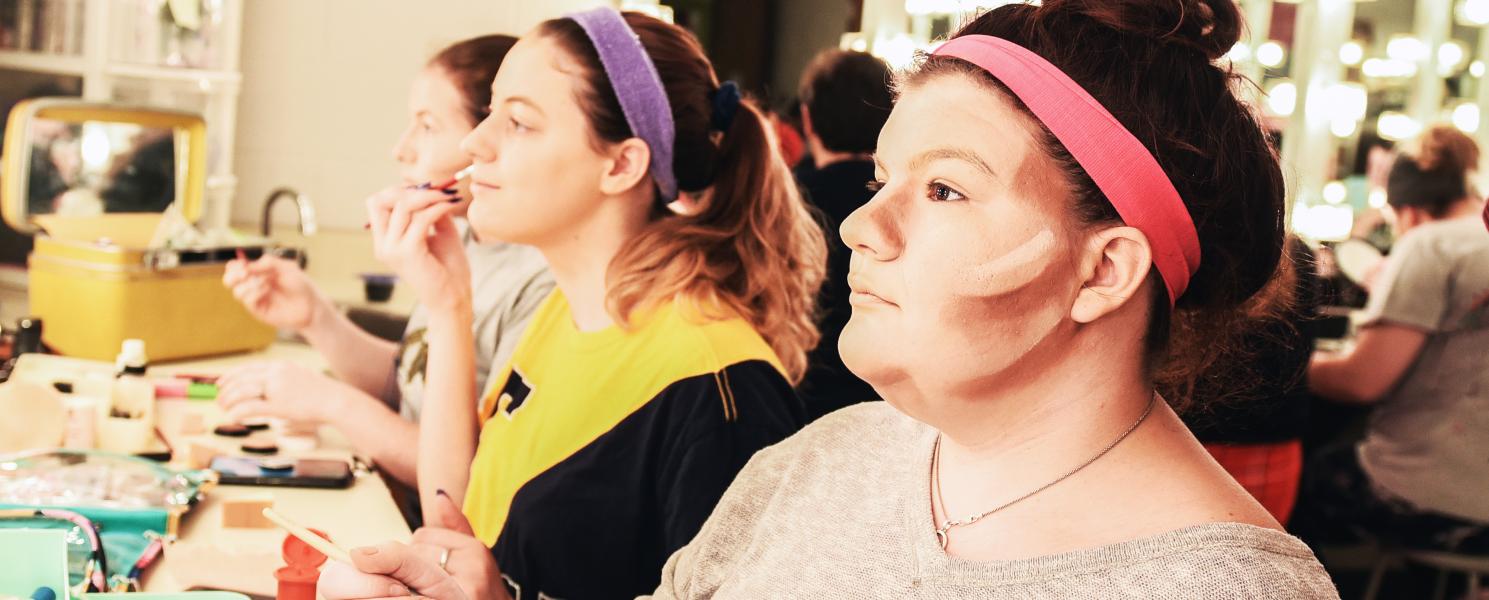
{"points": [[1008, 273], [1009, 301], [1002, 311]]}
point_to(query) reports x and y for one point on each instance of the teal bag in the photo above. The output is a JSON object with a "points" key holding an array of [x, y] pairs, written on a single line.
{"points": [[128, 503]]}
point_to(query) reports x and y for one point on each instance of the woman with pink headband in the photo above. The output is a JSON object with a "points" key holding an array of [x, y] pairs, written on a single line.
{"points": [[1069, 195]]}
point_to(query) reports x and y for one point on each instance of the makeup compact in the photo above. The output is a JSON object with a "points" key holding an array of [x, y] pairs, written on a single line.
{"points": [[232, 430], [260, 447]]}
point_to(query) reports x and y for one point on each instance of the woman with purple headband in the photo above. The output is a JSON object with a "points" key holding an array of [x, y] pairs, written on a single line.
{"points": [[1069, 197], [686, 268]]}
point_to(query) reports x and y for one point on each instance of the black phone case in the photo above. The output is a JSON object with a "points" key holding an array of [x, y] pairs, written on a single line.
{"points": [[292, 478]]}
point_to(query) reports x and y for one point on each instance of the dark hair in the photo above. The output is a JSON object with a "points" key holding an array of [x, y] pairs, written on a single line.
{"points": [[471, 65], [1152, 64], [752, 245], [1434, 175], [848, 96]]}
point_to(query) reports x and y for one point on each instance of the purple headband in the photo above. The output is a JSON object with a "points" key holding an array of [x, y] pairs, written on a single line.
{"points": [[637, 86]]}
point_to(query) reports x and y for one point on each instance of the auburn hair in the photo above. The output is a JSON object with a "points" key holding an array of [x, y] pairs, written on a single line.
{"points": [[751, 245], [471, 65], [1432, 174]]}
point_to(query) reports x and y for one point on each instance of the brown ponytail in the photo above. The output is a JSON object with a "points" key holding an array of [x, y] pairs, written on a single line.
{"points": [[751, 245]]}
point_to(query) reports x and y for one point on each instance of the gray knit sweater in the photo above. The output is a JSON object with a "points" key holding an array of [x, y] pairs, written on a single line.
{"points": [[837, 511]]}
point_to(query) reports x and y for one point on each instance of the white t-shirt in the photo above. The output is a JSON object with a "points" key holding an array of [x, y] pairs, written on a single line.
{"points": [[1428, 439]]}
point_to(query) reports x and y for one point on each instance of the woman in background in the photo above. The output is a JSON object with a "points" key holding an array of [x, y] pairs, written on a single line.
{"points": [[378, 389]]}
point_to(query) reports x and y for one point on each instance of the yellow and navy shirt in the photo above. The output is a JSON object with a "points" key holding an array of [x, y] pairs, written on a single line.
{"points": [[601, 453]]}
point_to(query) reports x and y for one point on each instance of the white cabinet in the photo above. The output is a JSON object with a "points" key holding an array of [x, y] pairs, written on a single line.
{"points": [[180, 54]]}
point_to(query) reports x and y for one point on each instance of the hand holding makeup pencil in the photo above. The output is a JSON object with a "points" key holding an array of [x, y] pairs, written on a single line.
{"points": [[275, 291], [445, 562], [414, 234]]}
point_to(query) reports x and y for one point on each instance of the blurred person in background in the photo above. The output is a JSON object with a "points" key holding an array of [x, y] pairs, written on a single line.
{"points": [[845, 99], [1418, 478]]}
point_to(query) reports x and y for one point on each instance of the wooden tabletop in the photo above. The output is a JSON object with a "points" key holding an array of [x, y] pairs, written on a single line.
{"points": [[208, 555]]}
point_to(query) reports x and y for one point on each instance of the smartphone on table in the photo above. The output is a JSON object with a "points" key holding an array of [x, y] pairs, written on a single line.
{"points": [[301, 472]]}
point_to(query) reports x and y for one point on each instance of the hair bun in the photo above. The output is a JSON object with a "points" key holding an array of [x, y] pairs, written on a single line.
{"points": [[1445, 149], [1210, 27]]}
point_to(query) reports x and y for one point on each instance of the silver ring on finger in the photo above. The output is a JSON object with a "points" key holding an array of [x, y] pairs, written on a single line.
{"points": [[444, 559]]}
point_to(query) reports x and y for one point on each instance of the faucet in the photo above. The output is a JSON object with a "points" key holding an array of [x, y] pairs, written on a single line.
{"points": [[307, 211]]}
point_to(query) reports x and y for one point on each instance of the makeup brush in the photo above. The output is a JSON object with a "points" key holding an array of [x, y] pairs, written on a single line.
{"points": [[460, 175]]}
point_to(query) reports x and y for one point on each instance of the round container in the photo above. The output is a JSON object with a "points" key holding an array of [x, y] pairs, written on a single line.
{"points": [[378, 286], [124, 435], [28, 336]]}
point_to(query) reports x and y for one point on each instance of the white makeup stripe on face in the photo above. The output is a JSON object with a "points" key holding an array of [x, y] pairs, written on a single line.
{"points": [[1009, 272]]}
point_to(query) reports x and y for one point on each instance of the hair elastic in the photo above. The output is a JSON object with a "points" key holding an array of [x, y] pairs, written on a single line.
{"points": [[725, 104], [1117, 162], [638, 87]]}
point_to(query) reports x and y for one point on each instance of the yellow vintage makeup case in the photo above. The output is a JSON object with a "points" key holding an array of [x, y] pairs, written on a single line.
{"points": [[93, 182]]}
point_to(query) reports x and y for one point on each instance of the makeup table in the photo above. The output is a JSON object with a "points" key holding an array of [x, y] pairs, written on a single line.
{"points": [[208, 555]]}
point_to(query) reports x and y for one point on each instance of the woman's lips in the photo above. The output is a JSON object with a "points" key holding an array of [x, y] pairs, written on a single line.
{"points": [[863, 294], [867, 299]]}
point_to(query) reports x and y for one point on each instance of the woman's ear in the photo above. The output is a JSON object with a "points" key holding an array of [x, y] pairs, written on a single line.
{"points": [[1114, 265], [628, 164]]}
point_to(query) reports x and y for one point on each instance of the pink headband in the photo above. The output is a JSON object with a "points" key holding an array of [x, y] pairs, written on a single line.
{"points": [[1122, 168]]}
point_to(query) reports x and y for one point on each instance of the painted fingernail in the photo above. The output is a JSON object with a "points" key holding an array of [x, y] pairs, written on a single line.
{"points": [[441, 492], [397, 590], [449, 191]]}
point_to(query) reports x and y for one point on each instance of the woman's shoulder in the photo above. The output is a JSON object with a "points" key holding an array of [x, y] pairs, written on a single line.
{"points": [[701, 339], [865, 423], [1445, 238], [1213, 560], [1243, 561], [865, 437]]}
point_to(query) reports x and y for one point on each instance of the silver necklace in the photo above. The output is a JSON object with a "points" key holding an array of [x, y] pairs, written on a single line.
{"points": [[942, 532]]}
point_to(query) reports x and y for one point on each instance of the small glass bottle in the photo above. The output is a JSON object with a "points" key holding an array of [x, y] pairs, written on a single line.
{"points": [[128, 426]]}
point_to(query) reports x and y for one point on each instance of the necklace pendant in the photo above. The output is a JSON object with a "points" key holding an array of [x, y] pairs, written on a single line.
{"points": [[942, 537]]}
